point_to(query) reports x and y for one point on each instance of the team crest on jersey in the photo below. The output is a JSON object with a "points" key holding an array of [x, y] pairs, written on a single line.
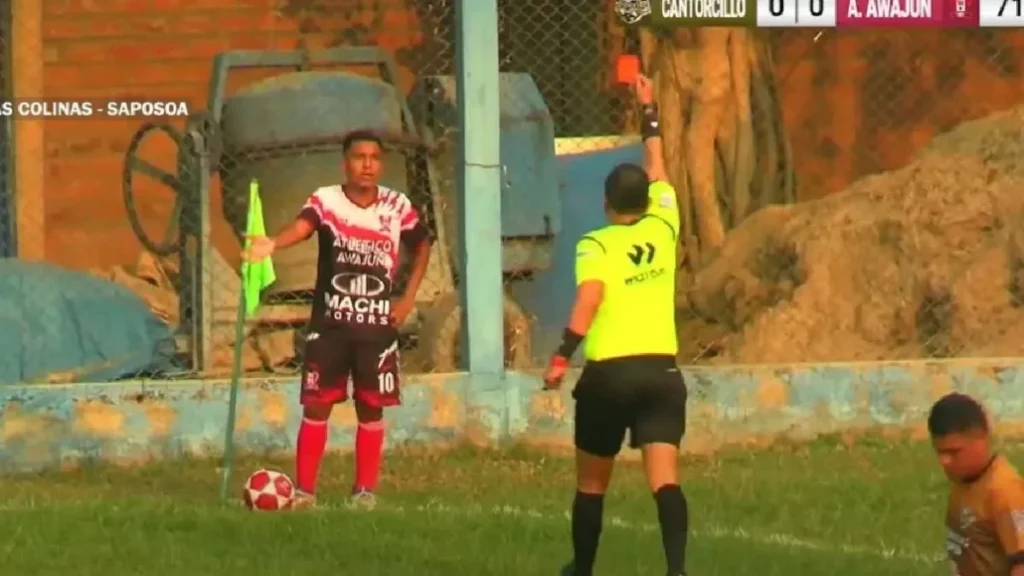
{"points": [[312, 381], [385, 223], [632, 11]]}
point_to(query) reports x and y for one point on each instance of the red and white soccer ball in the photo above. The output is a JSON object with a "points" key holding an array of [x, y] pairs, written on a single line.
{"points": [[268, 491]]}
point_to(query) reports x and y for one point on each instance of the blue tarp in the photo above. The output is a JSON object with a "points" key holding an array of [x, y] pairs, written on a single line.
{"points": [[56, 321]]}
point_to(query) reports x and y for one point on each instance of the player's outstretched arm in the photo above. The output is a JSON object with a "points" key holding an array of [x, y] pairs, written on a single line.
{"points": [[260, 247], [298, 231]]}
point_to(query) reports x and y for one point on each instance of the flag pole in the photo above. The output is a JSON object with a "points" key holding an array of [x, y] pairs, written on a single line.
{"points": [[236, 366], [236, 376]]}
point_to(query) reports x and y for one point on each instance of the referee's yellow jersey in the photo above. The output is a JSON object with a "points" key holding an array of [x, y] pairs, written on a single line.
{"points": [[636, 262]]}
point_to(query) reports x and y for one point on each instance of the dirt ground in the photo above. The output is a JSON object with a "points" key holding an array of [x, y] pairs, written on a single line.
{"points": [[924, 261]]}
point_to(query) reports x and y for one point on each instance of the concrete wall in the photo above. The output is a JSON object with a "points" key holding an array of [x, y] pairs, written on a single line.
{"points": [[51, 426]]}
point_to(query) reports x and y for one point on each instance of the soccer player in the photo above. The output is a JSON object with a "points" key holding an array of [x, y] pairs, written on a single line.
{"points": [[985, 514], [360, 226], [625, 306]]}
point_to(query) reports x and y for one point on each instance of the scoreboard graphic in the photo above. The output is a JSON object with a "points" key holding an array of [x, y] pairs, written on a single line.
{"points": [[823, 13]]}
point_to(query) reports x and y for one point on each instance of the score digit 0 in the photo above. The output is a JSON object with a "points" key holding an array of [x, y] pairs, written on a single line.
{"points": [[793, 13]]}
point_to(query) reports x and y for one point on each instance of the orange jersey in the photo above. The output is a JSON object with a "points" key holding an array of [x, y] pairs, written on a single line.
{"points": [[985, 522]]}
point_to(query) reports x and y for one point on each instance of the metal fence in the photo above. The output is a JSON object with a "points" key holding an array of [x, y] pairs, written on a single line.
{"points": [[900, 150], [848, 195]]}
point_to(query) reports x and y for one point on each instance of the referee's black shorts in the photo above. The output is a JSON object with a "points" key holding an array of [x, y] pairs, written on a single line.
{"points": [[643, 394]]}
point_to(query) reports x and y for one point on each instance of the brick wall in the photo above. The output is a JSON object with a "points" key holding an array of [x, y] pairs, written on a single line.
{"points": [[163, 49], [854, 103]]}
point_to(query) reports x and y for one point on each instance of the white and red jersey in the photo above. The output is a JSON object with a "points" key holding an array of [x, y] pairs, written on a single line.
{"points": [[358, 257]]}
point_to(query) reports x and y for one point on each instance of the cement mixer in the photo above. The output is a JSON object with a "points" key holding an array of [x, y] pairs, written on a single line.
{"points": [[286, 132]]}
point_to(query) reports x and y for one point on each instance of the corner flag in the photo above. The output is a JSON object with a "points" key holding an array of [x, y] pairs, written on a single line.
{"points": [[256, 276]]}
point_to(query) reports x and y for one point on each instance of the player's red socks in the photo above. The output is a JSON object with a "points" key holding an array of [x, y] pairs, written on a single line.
{"points": [[312, 443], [369, 447]]}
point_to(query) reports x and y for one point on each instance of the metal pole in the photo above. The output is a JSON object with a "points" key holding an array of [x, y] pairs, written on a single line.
{"points": [[480, 186], [204, 270]]}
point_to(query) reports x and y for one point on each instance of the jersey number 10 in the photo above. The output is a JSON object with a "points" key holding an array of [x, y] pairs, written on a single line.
{"points": [[386, 383]]}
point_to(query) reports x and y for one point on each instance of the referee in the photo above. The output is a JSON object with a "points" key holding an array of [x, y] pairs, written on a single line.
{"points": [[625, 306]]}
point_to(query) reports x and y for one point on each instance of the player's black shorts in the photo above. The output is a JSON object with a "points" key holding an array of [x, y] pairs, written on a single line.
{"points": [[645, 395], [334, 357]]}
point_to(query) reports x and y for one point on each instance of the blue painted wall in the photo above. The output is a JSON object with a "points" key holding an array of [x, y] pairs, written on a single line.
{"points": [[548, 297], [51, 426]]}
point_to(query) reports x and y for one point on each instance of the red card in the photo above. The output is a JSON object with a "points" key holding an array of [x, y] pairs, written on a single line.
{"points": [[627, 68]]}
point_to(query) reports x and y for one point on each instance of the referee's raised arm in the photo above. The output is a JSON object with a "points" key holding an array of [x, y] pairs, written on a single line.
{"points": [[663, 203], [650, 130]]}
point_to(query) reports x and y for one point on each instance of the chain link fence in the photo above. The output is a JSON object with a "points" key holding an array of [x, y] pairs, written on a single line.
{"points": [[903, 153], [848, 195], [136, 283]]}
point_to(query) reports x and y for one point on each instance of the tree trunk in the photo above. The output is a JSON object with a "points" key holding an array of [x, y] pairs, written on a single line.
{"points": [[725, 147]]}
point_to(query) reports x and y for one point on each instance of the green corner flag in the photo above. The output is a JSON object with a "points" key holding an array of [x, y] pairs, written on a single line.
{"points": [[256, 276]]}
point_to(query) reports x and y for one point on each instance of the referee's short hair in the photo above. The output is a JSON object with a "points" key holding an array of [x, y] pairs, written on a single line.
{"points": [[956, 413], [625, 189]]}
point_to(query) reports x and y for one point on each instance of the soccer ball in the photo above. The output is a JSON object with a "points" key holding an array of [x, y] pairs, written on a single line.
{"points": [[268, 491]]}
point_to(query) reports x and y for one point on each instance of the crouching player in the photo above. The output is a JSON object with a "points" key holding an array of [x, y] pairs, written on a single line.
{"points": [[353, 334], [985, 512]]}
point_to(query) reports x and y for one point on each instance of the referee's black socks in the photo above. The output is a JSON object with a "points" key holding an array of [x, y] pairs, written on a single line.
{"points": [[673, 516], [587, 517]]}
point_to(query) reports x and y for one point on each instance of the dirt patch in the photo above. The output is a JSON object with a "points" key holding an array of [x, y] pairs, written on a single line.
{"points": [[925, 261]]}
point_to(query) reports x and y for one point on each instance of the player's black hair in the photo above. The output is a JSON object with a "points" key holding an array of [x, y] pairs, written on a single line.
{"points": [[625, 189], [357, 136], [956, 413]]}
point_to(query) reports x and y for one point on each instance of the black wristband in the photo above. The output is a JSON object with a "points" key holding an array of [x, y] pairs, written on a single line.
{"points": [[570, 342], [649, 125]]}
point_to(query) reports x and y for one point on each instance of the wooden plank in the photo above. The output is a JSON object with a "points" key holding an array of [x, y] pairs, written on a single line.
{"points": [[29, 170]]}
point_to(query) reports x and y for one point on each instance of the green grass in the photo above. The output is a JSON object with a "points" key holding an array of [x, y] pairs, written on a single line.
{"points": [[870, 509]]}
